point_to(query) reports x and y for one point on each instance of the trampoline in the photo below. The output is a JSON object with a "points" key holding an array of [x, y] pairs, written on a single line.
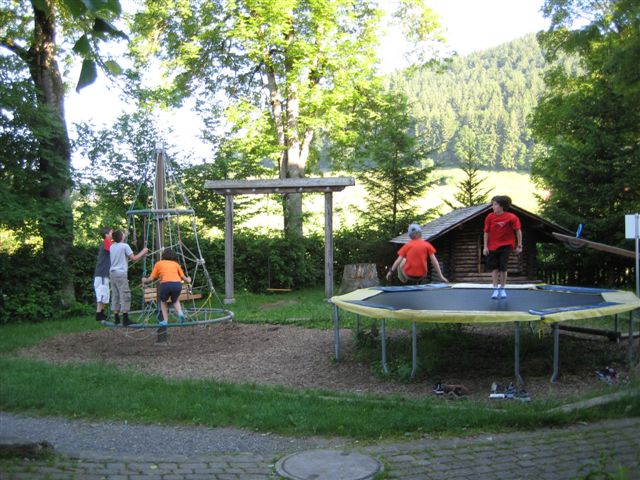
{"points": [[472, 304]]}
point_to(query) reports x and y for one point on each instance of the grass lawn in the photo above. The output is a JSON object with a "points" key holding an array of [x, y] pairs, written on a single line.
{"points": [[102, 391]]}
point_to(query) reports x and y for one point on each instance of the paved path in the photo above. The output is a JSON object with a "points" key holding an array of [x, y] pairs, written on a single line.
{"points": [[117, 451]]}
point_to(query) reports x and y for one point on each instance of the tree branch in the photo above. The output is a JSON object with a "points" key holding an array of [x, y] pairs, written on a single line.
{"points": [[10, 45]]}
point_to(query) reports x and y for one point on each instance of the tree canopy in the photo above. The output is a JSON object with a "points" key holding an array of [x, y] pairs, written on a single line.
{"points": [[34, 112], [588, 120], [391, 161], [285, 68]]}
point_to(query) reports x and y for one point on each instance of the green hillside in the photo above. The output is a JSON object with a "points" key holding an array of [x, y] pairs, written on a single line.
{"points": [[491, 93], [517, 185]]}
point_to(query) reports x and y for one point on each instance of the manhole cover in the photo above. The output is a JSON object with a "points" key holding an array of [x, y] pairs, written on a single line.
{"points": [[329, 465]]}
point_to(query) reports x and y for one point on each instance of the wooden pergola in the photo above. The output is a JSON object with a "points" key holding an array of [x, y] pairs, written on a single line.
{"points": [[229, 188]]}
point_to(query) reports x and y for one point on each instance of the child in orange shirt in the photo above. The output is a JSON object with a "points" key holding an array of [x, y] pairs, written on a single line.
{"points": [[411, 263], [170, 273]]}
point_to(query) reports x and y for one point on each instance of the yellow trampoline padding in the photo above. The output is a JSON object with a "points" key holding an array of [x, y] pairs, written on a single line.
{"points": [[620, 301]]}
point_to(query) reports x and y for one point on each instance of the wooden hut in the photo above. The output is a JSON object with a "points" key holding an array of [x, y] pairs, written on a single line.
{"points": [[458, 239]]}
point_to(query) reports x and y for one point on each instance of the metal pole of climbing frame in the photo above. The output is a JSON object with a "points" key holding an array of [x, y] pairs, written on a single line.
{"points": [[159, 200]]}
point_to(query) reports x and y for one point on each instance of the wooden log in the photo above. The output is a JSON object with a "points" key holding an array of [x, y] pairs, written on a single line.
{"points": [[581, 242], [610, 334]]}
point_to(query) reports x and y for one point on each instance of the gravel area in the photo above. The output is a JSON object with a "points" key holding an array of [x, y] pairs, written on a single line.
{"points": [[303, 358], [79, 438]]}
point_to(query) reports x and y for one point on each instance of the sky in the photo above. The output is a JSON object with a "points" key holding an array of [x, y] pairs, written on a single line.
{"points": [[480, 24], [469, 25], [473, 25]]}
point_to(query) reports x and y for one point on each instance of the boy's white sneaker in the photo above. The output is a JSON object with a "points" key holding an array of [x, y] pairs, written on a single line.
{"points": [[503, 293], [496, 294]]}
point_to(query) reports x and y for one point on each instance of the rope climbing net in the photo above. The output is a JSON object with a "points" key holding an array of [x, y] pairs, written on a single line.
{"points": [[161, 217]]}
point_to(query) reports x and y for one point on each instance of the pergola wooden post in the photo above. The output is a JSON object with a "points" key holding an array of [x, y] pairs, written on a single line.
{"points": [[229, 188]]}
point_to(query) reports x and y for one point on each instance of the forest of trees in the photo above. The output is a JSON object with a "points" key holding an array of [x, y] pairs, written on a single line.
{"points": [[484, 99]]}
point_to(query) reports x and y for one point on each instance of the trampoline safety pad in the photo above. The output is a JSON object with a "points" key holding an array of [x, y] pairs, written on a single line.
{"points": [[472, 303]]}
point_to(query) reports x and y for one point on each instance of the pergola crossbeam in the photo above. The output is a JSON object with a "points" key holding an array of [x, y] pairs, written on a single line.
{"points": [[229, 188]]}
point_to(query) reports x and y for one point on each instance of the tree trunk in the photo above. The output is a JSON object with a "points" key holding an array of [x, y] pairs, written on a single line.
{"points": [[56, 224], [359, 275]]}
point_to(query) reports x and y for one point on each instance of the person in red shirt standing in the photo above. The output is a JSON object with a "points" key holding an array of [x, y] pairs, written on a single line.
{"points": [[411, 263], [502, 233]]}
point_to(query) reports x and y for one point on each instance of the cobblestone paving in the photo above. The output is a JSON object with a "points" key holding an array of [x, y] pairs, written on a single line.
{"points": [[548, 454], [544, 454]]}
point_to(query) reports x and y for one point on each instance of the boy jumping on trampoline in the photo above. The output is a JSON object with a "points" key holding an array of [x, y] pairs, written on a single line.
{"points": [[171, 276], [411, 264], [121, 253], [502, 232]]}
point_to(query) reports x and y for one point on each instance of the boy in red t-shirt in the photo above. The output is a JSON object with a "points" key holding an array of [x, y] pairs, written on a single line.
{"points": [[101, 274], [411, 263], [502, 230]]}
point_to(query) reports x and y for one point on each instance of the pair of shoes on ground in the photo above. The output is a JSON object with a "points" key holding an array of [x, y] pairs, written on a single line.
{"points": [[607, 375], [501, 391], [452, 391], [499, 293], [509, 392]]}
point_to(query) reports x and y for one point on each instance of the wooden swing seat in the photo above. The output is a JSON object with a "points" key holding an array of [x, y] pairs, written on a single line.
{"points": [[151, 294]]}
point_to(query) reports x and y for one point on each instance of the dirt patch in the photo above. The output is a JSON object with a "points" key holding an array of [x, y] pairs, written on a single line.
{"points": [[303, 358]]}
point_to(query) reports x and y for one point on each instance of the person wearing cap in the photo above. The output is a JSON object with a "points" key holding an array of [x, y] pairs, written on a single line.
{"points": [[411, 264]]}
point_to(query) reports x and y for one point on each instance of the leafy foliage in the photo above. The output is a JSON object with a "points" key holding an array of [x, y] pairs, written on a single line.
{"points": [[37, 35], [30, 286], [120, 159], [591, 162], [285, 68], [469, 189], [120, 174], [391, 161], [19, 164]]}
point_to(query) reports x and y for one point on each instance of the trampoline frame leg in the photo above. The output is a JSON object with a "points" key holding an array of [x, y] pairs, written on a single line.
{"points": [[414, 350], [556, 352], [519, 378], [356, 327], [336, 331], [383, 343]]}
